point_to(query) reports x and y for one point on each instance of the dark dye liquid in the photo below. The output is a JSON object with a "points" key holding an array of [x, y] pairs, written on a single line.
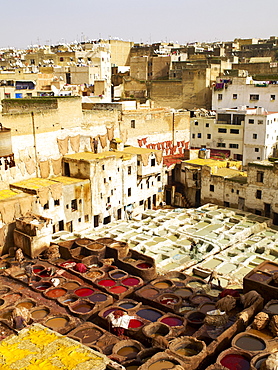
{"points": [[250, 343], [98, 297], [149, 314]]}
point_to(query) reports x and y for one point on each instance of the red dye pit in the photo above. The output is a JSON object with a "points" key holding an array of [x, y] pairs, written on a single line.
{"points": [[172, 321], [118, 289], [107, 282], [134, 323], [235, 362], [83, 292], [36, 269], [131, 281], [144, 265]]}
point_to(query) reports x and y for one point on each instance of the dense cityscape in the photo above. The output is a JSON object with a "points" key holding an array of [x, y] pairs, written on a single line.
{"points": [[139, 205]]}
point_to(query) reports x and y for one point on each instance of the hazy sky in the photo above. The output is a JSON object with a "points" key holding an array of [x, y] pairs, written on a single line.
{"points": [[29, 22]]}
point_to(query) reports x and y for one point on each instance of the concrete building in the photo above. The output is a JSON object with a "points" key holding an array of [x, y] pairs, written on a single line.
{"points": [[233, 92], [242, 134]]}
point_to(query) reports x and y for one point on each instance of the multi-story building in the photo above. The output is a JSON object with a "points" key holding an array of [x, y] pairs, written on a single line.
{"points": [[242, 134]]}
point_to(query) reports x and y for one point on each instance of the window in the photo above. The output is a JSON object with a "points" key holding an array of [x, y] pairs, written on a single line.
{"points": [[254, 97], [234, 146], [112, 192], [260, 176], [208, 136], [61, 59], [221, 145], [104, 180], [207, 124], [141, 186], [46, 206], [129, 170], [56, 202], [80, 201], [110, 178], [237, 192], [234, 131], [259, 194], [153, 162], [129, 192], [251, 121], [260, 122], [232, 190], [272, 97], [74, 205], [234, 96], [258, 158], [211, 187], [196, 123], [219, 96], [255, 136], [258, 212], [79, 220], [223, 130], [193, 136], [158, 178], [86, 218], [257, 150], [141, 202], [132, 123], [108, 199], [138, 163], [103, 167], [199, 135]]}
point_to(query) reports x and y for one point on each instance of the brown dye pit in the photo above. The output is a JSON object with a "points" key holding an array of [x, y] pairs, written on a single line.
{"points": [[273, 308], [27, 304], [71, 285], [270, 267], [88, 335], [183, 292], [187, 352], [132, 367], [56, 323], [39, 314], [6, 315], [94, 274], [198, 299], [98, 297], [128, 351], [259, 276], [206, 307], [82, 308], [162, 365], [4, 290], [12, 297], [250, 343], [162, 284]]}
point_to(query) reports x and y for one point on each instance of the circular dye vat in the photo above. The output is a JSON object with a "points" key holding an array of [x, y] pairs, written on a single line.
{"points": [[118, 289], [172, 321], [88, 335], [37, 269], [82, 307], [162, 284], [13, 297], [183, 292], [83, 292], [195, 284], [26, 304], [235, 362], [94, 274], [39, 314], [250, 343], [6, 315], [144, 265], [206, 307], [43, 286], [69, 300], [131, 281], [118, 275], [169, 300], [134, 323], [132, 367], [260, 362], [98, 297], [149, 293], [149, 314], [4, 290], [45, 273], [56, 293], [127, 305], [56, 323], [107, 312], [162, 365], [196, 318], [273, 308], [128, 351], [186, 351], [2, 302], [199, 299], [107, 282], [71, 285]]}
